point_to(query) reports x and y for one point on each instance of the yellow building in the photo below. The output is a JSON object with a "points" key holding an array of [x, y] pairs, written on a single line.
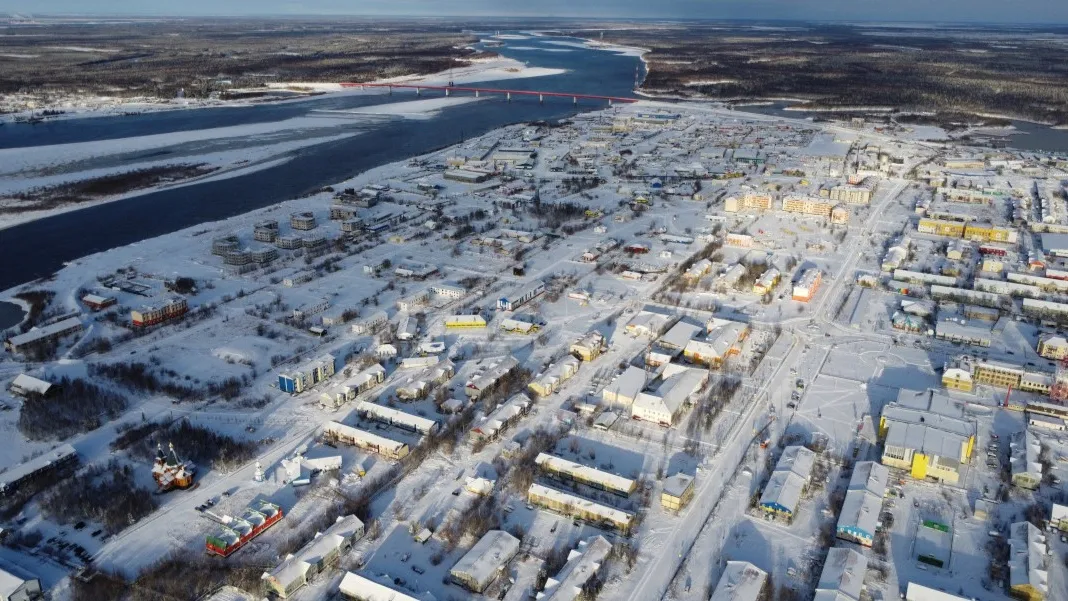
{"points": [[985, 232], [569, 471], [589, 347], [1028, 562], [958, 378], [1053, 347], [459, 322], [677, 492], [941, 227], [927, 434], [574, 506], [998, 375], [767, 281], [839, 215], [807, 206]]}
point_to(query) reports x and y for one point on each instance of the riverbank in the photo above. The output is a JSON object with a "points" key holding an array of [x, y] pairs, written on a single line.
{"points": [[84, 107]]}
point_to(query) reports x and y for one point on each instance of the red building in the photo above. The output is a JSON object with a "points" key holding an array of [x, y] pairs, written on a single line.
{"points": [[170, 472], [150, 316], [232, 536], [98, 303]]}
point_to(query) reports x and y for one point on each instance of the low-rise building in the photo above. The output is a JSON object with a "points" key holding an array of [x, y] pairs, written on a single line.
{"points": [[15, 585], [806, 286], [61, 456], [25, 385], [554, 377], [863, 503], [788, 482], [927, 434], [485, 379], [767, 281], [44, 335], [353, 387], [569, 471], [624, 388], [574, 506], [322, 552], [480, 566], [741, 581], [391, 449], [843, 574], [589, 347], [664, 404], [583, 563], [677, 492], [807, 206], [311, 373], [396, 417], [155, 314], [1028, 557], [464, 322], [1053, 346], [354, 587], [504, 416], [1024, 460]]}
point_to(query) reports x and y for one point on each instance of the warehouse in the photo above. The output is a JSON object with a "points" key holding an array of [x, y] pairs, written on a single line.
{"points": [[44, 335], [566, 470], [843, 575], [583, 563], [520, 297], [324, 551], [788, 482], [577, 507], [487, 378], [741, 581], [503, 417], [386, 447], [622, 390], [467, 176], [353, 387], [863, 503], [394, 417], [311, 373], [56, 458], [555, 376], [480, 566]]}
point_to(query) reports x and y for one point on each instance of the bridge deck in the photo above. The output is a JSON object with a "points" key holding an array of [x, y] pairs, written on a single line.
{"points": [[540, 94]]}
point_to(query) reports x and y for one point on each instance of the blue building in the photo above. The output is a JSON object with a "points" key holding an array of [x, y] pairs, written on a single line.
{"points": [[863, 503], [308, 375], [788, 482]]}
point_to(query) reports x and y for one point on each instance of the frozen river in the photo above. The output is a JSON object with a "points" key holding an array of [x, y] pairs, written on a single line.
{"points": [[38, 248]]}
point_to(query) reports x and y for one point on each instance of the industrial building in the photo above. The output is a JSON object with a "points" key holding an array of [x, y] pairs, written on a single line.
{"points": [[353, 387], [788, 482], [863, 503], [152, 315], [324, 551], [927, 434], [504, 416], [806, 286], [488, 377], [1028, 556], [395, 417], [44, 335], [577, 507], [741, 581], [677, 492], [391, 449], [311, 373], [12, 478], [583, 563], [480, 566], [569, 471], [843, 575]]}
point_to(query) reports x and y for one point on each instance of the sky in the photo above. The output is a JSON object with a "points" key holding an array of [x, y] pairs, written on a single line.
{"points": [[995, 11]]}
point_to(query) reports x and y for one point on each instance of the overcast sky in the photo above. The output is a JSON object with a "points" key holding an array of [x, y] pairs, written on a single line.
{"points": [[1007, 11]]}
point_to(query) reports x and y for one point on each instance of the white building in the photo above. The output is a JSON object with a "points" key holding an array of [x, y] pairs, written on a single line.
{"points": [[395, 417], [323, 551], [663, 405], [792, 475], [355, 587], [741, 581], [624, 388], [843, 576], [503, 416], [19, 587], [480, 566], [488, 378], [583, 563]]}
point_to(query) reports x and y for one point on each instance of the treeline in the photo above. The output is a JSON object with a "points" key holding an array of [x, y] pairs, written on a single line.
{"points": [[141, 377], [105, 495], [78, 406], [200, 445]]}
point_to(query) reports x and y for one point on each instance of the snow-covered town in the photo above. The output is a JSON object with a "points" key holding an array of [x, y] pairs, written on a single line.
{"points": [[654, 351]]}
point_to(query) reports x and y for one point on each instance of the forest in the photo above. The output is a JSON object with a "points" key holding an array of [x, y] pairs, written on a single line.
{"points": [[973, 69], [158, 59]]}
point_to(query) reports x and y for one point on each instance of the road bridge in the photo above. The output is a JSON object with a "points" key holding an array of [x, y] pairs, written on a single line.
{"points": [[479, 91]]}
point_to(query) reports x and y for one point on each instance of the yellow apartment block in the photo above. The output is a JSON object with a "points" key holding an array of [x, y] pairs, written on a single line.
{"points": [[807, 206], [941, 227], [985, 232]]}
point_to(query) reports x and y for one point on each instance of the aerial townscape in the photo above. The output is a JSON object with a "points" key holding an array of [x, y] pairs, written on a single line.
{"points": [[646, 349]]}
